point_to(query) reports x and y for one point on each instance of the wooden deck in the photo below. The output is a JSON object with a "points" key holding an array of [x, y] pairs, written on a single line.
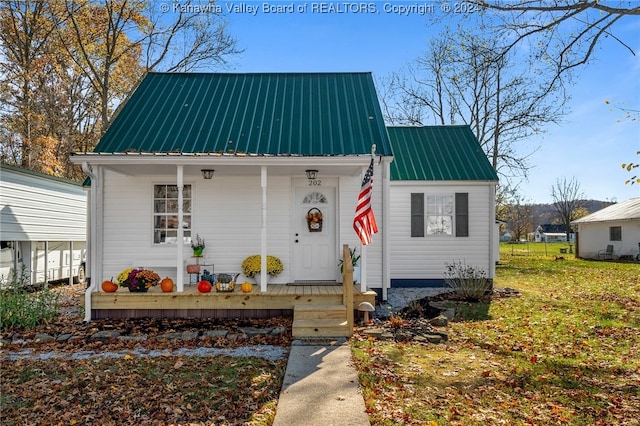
{"points": [[278, 300]]}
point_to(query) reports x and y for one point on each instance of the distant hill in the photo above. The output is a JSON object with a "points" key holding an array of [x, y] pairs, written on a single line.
{"points": [[546, 213]]}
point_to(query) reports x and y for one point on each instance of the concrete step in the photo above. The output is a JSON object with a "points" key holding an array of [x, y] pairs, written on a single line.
{"points": [[331, 327], [325, 311]]}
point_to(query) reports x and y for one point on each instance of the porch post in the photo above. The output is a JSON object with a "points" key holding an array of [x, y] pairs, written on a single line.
{"points": [[94, 235], [180, 242], [386, 205], [263, 234]]}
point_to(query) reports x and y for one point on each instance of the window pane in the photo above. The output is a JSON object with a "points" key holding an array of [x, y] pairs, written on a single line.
{"points": [[439, 225], [160, 206], [172, 191], [172, 206], [166, 225], [160, 191], [615, 233]]}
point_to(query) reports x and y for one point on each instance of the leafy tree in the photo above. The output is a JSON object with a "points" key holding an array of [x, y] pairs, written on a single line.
{"points": [[567, 200], [630, 167], [68, 64], [26, 29]]}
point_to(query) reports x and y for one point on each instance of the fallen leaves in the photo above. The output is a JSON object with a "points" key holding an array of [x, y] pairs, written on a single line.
{"points": [[141, 391]]}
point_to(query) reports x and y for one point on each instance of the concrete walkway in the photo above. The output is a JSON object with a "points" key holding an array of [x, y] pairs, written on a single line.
{"points": [[321, 388]]}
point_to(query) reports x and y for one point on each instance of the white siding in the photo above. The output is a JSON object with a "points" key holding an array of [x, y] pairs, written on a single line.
{"points": [[594, 236], [425, 257], [226, 212], [37, 208]]}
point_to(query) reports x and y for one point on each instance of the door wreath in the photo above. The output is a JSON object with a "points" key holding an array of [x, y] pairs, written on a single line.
{"points": [[314, 220]]}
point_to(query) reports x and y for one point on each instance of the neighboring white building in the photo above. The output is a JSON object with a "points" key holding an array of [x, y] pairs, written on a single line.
{"points": [[617, 225], [43, 225]]}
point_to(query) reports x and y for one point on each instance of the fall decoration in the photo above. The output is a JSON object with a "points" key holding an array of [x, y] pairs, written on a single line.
{"points": [[109, 286], [226, 282], [166, 285], [251, 266], [314, 220], [138, 279], [204, 286], [246, 287]]}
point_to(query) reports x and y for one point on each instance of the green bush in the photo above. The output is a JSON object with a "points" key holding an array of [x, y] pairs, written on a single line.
{"points": [[20, 308], [468, 282]]}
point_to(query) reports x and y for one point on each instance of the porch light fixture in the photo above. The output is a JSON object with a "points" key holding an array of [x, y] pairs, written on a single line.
{"points": [[207, 173], [311, 174]]}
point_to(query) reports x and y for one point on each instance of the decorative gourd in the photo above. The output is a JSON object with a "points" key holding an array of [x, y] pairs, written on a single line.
{"points": [[225, 278], [246, 287], [166, 285], [109, 286], [204, 286]]}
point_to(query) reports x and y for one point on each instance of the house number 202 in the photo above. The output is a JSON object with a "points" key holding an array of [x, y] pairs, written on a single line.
{"points": [[315, 182]]}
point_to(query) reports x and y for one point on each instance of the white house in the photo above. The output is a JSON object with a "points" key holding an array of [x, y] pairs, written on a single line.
{"points": [[273, 147], [617, 225], [43, 225], [442, 204]]}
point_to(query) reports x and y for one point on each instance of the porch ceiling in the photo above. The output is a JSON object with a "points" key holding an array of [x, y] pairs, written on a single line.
{"points": [[194, 171]]}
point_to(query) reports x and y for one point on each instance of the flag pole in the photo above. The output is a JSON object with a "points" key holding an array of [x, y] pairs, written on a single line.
{"points": [[363, 247]]}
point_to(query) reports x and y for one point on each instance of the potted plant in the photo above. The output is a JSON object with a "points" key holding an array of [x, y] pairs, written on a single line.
{"points": [[198, 246], [355, 258], [251, 266], [138, 280]]}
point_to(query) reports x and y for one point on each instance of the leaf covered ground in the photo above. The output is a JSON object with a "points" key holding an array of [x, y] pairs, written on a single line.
{"points": [[565, 352], [136, 390]]}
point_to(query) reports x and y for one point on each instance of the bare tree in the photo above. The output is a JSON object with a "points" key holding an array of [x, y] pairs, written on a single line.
{"points": [[567, 200], [466, 79], [564, 32]]}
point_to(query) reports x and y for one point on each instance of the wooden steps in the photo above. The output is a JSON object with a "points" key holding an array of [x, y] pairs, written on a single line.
{"points": [[320, 321]]}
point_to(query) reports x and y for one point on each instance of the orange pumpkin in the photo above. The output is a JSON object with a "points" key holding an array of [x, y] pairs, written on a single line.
{"points": [[166, 285], [246, 287], [109, 286]]}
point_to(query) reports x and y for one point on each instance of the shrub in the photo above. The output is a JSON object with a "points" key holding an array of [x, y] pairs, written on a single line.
{"points": [[468, 282], [20, 308]]}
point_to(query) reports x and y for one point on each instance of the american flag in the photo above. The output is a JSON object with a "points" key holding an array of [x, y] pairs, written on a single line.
{"points": [[364, 223]]}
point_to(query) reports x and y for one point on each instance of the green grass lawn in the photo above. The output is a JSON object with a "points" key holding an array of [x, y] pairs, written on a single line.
{"points": [[567, 351]]}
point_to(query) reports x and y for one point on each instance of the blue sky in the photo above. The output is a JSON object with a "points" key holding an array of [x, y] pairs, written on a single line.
{"points": [[590, 144]]}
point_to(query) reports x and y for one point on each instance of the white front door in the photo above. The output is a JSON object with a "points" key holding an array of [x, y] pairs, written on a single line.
{"points": [[314, 241]]}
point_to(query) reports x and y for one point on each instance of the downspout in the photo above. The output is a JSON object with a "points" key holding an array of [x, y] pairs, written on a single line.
{"points": [[493, 235], [91, 239]]}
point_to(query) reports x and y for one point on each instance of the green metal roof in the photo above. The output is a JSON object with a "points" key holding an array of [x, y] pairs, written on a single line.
{"points": [[438, 153], [267, 113]]}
